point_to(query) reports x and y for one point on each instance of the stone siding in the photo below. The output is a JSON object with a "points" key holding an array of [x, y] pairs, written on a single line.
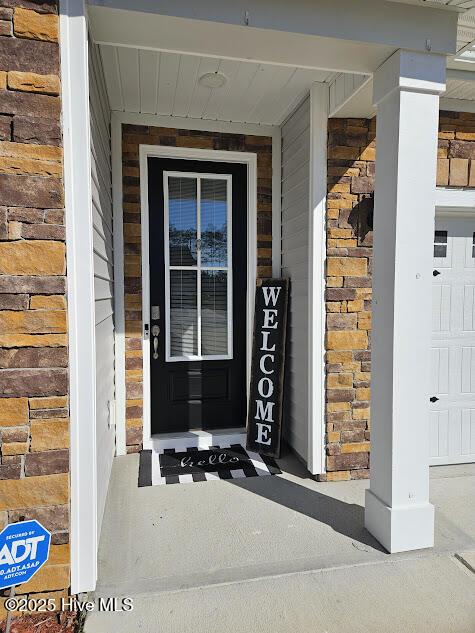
{"points": [[456, 152], [132, 137], [34, 424], [351, 169], [351, 156]]}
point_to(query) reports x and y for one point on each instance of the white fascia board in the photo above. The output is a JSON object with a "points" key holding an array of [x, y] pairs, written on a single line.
{"points": [[227, 41], [372, 21]]}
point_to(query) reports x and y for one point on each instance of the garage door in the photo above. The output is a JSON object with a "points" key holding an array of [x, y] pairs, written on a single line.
{"points": [[452, 403]]}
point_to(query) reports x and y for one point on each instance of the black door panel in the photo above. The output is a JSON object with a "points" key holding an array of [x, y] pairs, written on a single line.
{"points": [[198, 385], [197, 394]]}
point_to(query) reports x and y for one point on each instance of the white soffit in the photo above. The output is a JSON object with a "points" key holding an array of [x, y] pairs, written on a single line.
{"points": [[465, 57], [163, 83]]}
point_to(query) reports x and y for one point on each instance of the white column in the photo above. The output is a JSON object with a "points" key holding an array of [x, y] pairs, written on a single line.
{"points": [[406, 92]]}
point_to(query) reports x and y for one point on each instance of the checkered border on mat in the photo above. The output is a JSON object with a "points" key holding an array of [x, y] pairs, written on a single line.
{"points": [[150, 475]]}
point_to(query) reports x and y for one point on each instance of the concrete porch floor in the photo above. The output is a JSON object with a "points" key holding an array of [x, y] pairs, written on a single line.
{"points": [[279, 554]]}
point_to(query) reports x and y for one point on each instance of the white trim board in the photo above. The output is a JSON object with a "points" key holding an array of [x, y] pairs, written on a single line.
{"points": [[187, 123], [319, 100], [158, 151], [119, 288], [455, 199], [80, 276]]}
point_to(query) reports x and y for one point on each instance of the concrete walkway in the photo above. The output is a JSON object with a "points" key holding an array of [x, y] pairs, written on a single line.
{"points": [[279, 554]]}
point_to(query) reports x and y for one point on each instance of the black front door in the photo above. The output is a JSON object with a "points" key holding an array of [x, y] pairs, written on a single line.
{"points": [[198, 279]]}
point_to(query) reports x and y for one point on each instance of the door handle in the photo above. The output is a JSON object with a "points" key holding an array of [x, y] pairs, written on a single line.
{"points": [[433, 399], [435, 273], [155, 333]]}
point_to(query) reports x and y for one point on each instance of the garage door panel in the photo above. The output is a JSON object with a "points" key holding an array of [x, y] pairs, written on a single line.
{"points": [[468, 308], [452, 435], [439, 438], [467, 371], [452, 415], [434, 434], [455, 431], [467, 432], [470, 252], [441, 302], [440, 370]]}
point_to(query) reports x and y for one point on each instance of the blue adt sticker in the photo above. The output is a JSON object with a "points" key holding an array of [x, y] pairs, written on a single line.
{"points": [[24, 549]]}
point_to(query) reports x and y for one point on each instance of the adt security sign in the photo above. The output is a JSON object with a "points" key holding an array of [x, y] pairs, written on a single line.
{"points": [[24, 549]]}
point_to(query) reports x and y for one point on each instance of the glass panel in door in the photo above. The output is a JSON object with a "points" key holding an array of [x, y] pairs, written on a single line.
{"points": [[198, 267], [214, 223], [183, 221]]}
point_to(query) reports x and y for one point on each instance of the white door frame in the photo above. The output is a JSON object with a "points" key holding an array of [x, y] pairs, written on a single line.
{"points": [[159, 151]]}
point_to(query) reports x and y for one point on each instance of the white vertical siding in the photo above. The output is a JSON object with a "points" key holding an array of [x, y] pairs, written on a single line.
{"points": [[295, 236], [103, 275]]}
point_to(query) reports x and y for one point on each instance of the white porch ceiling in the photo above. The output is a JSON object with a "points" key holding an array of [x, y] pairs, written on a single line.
{"points": [[154, 82], [466, 28]]}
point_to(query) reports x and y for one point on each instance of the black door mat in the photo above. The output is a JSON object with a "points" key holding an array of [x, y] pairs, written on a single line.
{"points": [[202, 464]]}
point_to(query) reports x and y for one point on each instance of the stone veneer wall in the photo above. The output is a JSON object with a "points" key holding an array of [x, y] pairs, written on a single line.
{"points": [[351, 156], [34, 425], [351, 168], [456, 153], [132, 137]]}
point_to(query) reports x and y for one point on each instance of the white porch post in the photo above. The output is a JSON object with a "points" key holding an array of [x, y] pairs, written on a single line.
{"points": [[406, 92]]}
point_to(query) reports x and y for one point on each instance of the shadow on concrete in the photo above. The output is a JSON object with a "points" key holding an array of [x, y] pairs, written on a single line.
{"points": [[344, 518]]}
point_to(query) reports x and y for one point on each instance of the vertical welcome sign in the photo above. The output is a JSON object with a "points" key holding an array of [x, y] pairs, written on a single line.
{"points": [[264, 421]]}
